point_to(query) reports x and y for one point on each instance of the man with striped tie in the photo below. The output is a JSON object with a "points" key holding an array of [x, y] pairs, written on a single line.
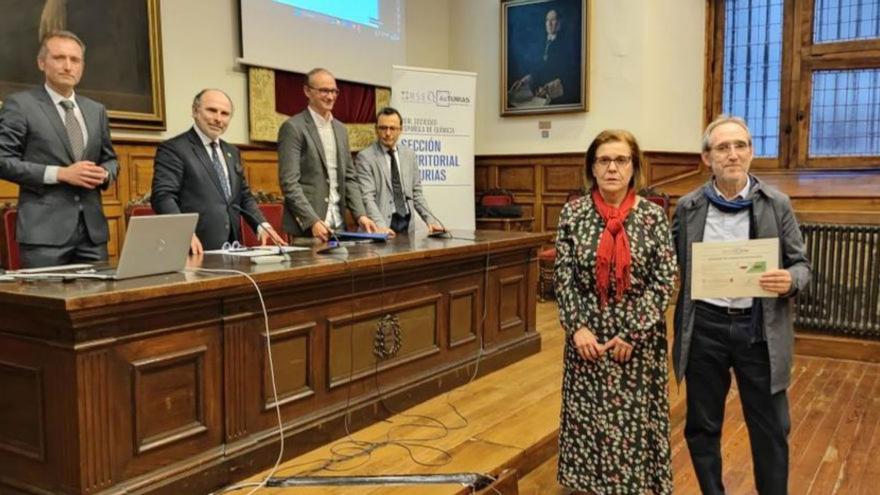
{"points": [[56, 146]]}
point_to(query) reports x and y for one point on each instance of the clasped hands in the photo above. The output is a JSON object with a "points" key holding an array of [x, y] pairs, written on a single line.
{"points": [[590, 349]]}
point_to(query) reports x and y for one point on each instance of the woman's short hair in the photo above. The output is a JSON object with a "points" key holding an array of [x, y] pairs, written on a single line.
{"points": [[639, 163]]}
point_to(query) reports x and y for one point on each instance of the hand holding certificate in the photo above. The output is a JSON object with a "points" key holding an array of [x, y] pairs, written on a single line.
{"points": [[733, 269]]}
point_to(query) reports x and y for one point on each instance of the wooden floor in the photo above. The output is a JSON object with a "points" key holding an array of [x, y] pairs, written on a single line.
{"points": [[510, 419]]}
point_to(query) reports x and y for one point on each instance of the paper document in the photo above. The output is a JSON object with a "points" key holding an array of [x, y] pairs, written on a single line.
{"points": [[732, 269], [257, 251]]}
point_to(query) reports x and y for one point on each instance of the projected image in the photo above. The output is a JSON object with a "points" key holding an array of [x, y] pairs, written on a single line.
{"points": [[367, 13]]}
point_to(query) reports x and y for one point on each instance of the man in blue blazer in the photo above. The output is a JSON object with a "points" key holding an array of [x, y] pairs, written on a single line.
{"points": [[56, 146], [389, 177], [197, 172]]}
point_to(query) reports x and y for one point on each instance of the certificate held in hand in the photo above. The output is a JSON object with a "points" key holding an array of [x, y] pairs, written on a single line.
{"points": [[732, 269]]}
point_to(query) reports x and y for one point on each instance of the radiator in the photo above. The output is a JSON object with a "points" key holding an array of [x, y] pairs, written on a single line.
{"points": [[844, 295]]}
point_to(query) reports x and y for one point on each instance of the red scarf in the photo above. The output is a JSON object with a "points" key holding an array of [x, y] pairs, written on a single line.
{"points": [[613, 246]]}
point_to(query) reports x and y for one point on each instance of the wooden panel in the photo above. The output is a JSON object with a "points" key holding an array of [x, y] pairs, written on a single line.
{"points": [[236, 380], [261, 171], [520, 178], [463, 315], [551, 216], [350, 337], [95, 447], [481, 179], [22, 431], [511, 303], [168, 398], [562, 179], [140, 174], [291, 350]]}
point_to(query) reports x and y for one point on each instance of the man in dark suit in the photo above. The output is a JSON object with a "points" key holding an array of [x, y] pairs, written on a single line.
{"points": [[751, 336], [197, 172], [315, 169], [389, 179], [56, 146]]}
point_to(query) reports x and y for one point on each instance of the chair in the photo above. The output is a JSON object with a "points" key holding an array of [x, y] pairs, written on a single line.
{"points": [[9, 247], [273, 213], [140, 211], [547, 260], [657, 197]]}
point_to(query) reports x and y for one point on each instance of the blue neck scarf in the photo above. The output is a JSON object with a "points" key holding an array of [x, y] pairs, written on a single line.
{"points": [[725, 205]]}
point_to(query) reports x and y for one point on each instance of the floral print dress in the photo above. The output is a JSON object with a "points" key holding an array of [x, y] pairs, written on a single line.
{"points": [[614, 425]]}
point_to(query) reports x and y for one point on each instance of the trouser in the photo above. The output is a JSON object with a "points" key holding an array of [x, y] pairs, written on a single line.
{"points": [[79, 249], [721, 341]]}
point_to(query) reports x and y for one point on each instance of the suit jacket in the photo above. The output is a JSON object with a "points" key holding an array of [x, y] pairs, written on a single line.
{"points": [[375, 181], [32, 137], [772, 216], [184, 181], [302, 172]]}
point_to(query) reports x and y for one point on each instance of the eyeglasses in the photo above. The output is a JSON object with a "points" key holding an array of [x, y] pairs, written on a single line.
{"points": [[618, 161], [326, 91], [383, 128], [233, 246], [730, 146]]}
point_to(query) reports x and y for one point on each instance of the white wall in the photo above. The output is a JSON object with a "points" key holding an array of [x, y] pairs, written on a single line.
{"points": [[645, 75], [200, 40], [646, 69]]}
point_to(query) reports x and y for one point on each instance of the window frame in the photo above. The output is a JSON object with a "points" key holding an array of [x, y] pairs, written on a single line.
{"points": [[800, 58]]}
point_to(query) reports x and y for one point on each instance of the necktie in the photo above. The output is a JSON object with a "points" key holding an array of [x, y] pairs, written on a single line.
{"points": [[397, 187], [218, 168], [74, 130]]}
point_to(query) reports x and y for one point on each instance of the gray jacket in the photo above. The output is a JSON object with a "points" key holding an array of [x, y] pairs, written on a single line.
{"points": [[32, 137], [376, 188], [302, 172], [773, 216]]}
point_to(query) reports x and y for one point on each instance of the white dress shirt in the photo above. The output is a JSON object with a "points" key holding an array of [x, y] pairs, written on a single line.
{"points": [[721, 227], [334, 217]]}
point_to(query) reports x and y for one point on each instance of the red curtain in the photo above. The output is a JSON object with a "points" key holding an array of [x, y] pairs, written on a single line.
{"points": [[356, 103]]}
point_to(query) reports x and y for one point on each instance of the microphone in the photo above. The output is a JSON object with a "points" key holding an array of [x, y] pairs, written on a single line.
{"points": [[332, 246], [257, 221], [443, 234]]}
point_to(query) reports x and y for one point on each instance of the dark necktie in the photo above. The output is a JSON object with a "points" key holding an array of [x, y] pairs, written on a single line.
{"points": [[397, 187], [74, 130], [218, 167]]}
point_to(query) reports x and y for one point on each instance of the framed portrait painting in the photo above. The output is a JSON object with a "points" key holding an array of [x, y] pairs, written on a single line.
{"points": [[123, 56], [543, 56]]}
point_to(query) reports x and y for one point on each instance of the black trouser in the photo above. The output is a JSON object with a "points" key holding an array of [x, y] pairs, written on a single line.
{"points": [[721, 341]]}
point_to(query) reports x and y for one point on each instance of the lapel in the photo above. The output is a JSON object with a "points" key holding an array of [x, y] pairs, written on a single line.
{"points": [[696, 219], [230, 166], [765, 222], [91, 118], [312, 129], [379, 152], [199, 151], [55, 120], [341, 149]]}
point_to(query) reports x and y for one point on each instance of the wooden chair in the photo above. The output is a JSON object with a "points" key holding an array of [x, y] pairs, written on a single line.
{"points": [[273, 213], [547, 261], [9, 247]]}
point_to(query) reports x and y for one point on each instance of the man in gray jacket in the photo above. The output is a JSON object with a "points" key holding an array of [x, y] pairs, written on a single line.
{"points": [[753, 336], [56, 146], [389, 178], [315, 169]]}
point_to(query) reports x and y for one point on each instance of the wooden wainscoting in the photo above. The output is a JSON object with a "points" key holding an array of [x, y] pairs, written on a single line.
{"points": [[541, 183]]}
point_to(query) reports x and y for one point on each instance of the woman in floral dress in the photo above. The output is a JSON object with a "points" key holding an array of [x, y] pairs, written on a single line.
{"points": [[615, 268]]}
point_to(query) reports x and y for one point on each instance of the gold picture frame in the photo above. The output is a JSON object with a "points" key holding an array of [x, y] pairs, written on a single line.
{"points": [[123, 54], [544, 57]]}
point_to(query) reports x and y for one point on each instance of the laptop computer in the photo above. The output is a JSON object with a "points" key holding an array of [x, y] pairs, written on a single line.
{"points": [[154, 244]]}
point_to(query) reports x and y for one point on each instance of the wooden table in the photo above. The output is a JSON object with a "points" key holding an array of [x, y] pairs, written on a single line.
{"points": [[162, 385], [519, 224]]}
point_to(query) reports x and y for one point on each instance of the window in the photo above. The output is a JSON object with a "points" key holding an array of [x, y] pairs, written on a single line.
{"points": [[805, 74]]}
